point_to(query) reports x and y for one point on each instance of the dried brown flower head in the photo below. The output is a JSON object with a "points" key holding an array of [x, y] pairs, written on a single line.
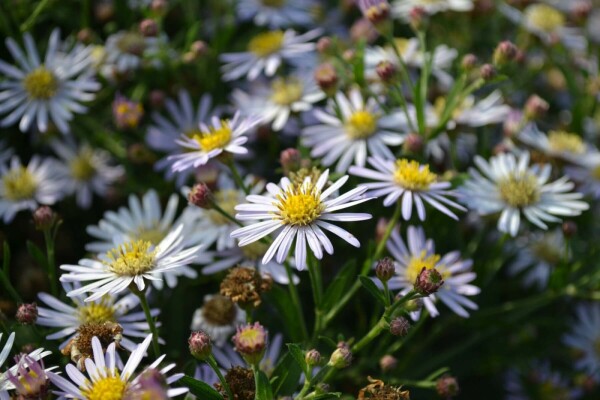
{"points": [[241, 383], [80, 347], [245, 285], [377, 390]]}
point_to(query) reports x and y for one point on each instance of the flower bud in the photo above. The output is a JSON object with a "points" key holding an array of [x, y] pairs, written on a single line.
{"points": [[250, 341], [569, 229], [388, 363], [85, 36], [428, 281], [469, 62], [386, 71], [158, 6], [362, 29], [290, 160], [505, 53], [413, 143], [327, 78], [487, 72], [380, 229], [312, 357], [149, 27], [581, 10], [418, 18], [535, 107], [199, 48], [341, 357], [385, 269], [324, 45], [413, 304], [201, 196], [447, 387], [27, 313], [200, 345], [399, 326], [377, 12], [44, 218]]}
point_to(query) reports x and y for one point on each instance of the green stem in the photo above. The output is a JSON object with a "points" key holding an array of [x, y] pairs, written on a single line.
{"points": [[225, 214], [307, 385], [256, 382], [296, 298], [144, 303], [236, 176], [34, 15], [388, 231], [49, 239], [316, 281], [213, 364]]}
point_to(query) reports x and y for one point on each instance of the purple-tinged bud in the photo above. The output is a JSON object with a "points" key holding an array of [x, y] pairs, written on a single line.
{"points": [[428, 281], [149, 27], [291, 160], [469, 62], [581, 10], [324, 45], [201, 196], [569, 229], [200, 345], [447, 387], [385, 269], [250, 341], [44, 218], [312, 357], [388, 363], [535, 107], [418, 18], [159, 6], [505, 53], [487, 72], [386, 71], [399, 326], [341, 357], [27, 313], [413, 143], [380, 229], [327, 78], [199, 48], [362, 29]]}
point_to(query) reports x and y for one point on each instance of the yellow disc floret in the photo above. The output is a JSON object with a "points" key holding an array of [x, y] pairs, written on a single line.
{"points": [[153, 233], [565, 141], [411, 175], [544, 18], [131, 259], [19, 184], [519, 190], [265, 44], [286, 91], [81, 166], [299, 205], [109, 388], [97, 313], [40, 84], [216, 138], [423, 260], [361, 124]]}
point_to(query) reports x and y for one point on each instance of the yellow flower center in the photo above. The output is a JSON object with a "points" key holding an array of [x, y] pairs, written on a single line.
{"points": [[273, 3], [109, 388], [401, 45], [97, 313], [19, 184], [416, 264], [227, 200], [132, 43], [152, 234], [299, 205], [131, 259], [519, 190], [81, 165], [215, 138], [254, 251], [565, 141], [413, 176], [40, 84], [361, 125], [547, 251], [596, 172], [267, 43], [544, 18], [286, 91], [219, 310]]}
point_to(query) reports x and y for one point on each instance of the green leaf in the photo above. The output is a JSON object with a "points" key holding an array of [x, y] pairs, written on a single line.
{"points": [[298, 355], [282, 301], [286, 376], [372, 288], [263, 387], [340, 284], [200, 389], [37, 254]]}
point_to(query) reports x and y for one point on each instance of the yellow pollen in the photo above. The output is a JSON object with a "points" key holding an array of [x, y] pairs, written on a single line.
{"points": [[215, 138], [299, 205], [361, 125], [544, 18], [519, 190], [273, 3], [251, 336], [19, 184], [286, 91], [81, 165], [131, 259], [416, 264], [153, 234], [412, 175], [40, 84], [109, 388], [565, 141], [265, 44], [226, 199]]}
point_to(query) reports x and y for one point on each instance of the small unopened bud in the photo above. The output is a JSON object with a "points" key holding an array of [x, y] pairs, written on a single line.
{"points": [[199, 48], [447, 387], [362, 29], [428, 281], [581, 10], [156, 98], [418, 18], [44, 218], [85, 35], [535, 107], [327, 78], [250, 341], [469, 62], [505, 53], [149, 27], [290, 160], [380, 229], [200, 345], [487, 72], [324, 45], [569, 229], [376, 12], [27, 313], [312, 357], [413, 143], [399, 326], [341, 357], [388, 363], [158, 6], [201, 196], [385, 269], [386, 71]]}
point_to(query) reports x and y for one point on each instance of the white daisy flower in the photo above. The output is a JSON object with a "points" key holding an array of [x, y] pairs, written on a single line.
{"points": [[538, 381], [362, 130], [299, 212], [218, 317], [51, 88], [409, 182], [267, 51], [587, 175], [133, 262], [402, 8], [126, 50], [275, 102], [25, 188], [585, 337], [106, 380], [221, 136], [69, 317], [510, 186], [228, 358], [474, 112], [558, 144], [537, 255], [418, 253], [164, 132], [277, 13], [86, 170]]}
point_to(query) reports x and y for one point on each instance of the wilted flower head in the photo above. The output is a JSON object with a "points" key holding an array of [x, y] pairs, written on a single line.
{"points": [[244, 286]]}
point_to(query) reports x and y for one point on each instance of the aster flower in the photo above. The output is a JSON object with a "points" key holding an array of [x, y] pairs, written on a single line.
{"points": [[510, 186], [29, 378], [52, 88], [107, 380], [362, 130], [125, 51], [267, 51], [585, 336], [402, 8], [228, 358], [300, 213], [557, 144], [587, 175], [69, 317], [274, 103], [277, 13], [212, 140], [26, 187], [218, 317], [408, 182], [474, 112], [538, 381], [418, 253], [87, 171], [133, 262]]}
